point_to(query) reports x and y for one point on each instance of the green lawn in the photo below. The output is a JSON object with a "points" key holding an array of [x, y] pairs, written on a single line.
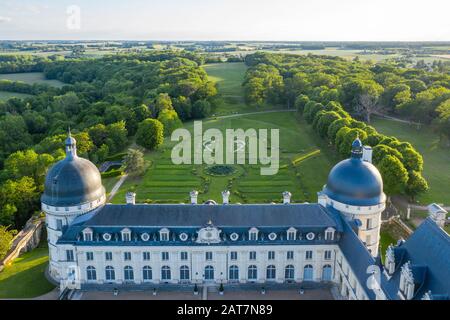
{"points": [[24, 278], [31, 78], [436, 157], [229, 78], [166, 182]]}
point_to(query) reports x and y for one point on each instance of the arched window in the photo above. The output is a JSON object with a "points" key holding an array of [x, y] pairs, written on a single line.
{"points": [[110, 274], [308, 273], [327, 273], [184, 273], [147, 273], [91, 274], [128, 273], [209, 273], [271, 272], [253, 234], [165, 273], [289, 273], [234, 273], [252, 273]]}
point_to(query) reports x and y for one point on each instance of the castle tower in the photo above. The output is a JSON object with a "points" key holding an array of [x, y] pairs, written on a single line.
{"points": [[73, 187], [355, 188]]}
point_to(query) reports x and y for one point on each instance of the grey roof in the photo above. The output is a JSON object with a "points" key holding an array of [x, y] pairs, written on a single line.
{"points": [[428, 250], [355, 182], [72, 181], [270, 215]]}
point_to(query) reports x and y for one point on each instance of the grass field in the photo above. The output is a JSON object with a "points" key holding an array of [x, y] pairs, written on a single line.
{"points": [[166, 182], [436, 157], [31, 78], [24, 278], [229, 78]]}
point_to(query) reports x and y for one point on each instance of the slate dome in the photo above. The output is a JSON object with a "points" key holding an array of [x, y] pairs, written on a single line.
{"points": [[72, 181], [355, 182]]}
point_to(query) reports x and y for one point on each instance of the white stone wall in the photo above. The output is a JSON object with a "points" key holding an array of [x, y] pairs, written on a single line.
{"points": [[196, 261]]}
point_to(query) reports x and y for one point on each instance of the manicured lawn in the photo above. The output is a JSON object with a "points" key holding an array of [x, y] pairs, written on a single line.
{"points": [[166, 182], [436, 157], [31, 78], [25, 277]]}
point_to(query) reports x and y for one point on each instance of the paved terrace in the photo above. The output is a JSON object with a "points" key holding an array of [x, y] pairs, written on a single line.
{"points": [[253, 292]]}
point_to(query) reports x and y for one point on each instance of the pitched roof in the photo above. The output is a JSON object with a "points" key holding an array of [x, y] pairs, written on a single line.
{"points": [[270, 215], [428, 249]]}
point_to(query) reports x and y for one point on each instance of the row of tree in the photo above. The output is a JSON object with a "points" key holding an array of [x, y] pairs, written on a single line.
{"points": [[327, 91], [363, 88]]}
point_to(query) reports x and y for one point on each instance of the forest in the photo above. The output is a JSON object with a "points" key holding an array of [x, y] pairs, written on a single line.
{"points": [[106, 102], [338, 98]]}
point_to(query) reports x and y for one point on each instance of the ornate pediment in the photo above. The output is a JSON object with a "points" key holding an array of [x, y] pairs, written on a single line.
{"points": [[209, 234]]}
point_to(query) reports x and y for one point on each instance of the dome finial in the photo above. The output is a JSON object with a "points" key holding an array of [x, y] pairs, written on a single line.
{"points": [[357, 147], [71, 145]]}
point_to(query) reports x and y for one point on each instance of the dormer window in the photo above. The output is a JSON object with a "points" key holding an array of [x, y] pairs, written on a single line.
{"points": [[126, 235], [407, 281], [291, 234], [164, 234], [253, 234], [329, 234], [87, 234]]}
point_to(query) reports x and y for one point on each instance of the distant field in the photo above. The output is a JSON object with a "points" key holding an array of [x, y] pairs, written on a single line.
{"points": [[165, 182], [31, 78], [4, 95], [436, 157]]}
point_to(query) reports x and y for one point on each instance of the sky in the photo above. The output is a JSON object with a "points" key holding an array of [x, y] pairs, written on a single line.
{"points": [[259, 20]]}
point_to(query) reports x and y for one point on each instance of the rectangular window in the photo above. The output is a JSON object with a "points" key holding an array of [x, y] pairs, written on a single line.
{"points": [[108, 256], [89, 256], [164, 256], [253, 236], [233, 255], [58, 224], [327, 255], [252, 255], [126, 237], [369, 224], [291, 235], [184, 255], [127, 256], [309, 255], [271, 255], [290, 255], [208, 256], [164, 236], [69, 255], [88, 236], [146, 256]]}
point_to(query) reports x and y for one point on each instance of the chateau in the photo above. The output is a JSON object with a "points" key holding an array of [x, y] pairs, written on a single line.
{"points": [[93, 244]]}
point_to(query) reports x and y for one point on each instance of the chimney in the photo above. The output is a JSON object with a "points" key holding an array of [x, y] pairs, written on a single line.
{"points": [[367, 154], [287, 197], [226, 196], [130, 198], [438, 214], [193, 195]]}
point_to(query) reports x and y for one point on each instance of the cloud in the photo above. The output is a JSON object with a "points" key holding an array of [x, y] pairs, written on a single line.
{"points": [[5, 19]]}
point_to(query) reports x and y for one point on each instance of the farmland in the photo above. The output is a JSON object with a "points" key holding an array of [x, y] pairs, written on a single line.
{"points": [[31, 78]]}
